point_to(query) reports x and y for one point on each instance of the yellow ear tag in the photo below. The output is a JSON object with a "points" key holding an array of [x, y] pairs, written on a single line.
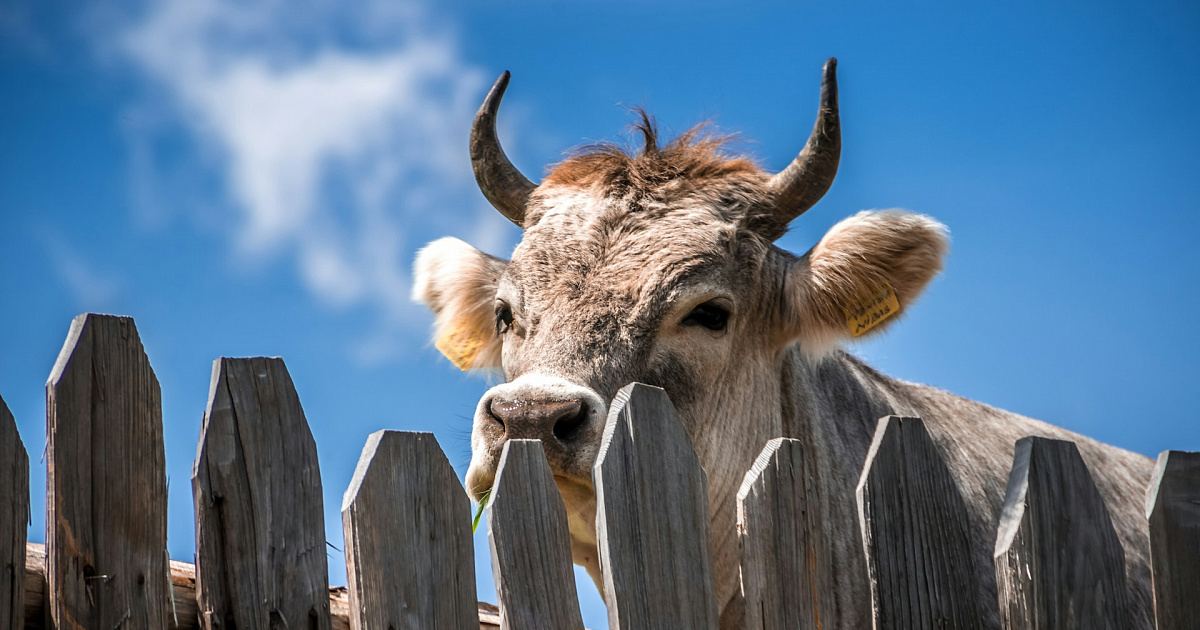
{"points": [[461, 344], [872, 312]]}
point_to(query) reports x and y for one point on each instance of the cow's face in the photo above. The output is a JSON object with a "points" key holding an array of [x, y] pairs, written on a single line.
{"points": [[605, 289], [657, 267]]}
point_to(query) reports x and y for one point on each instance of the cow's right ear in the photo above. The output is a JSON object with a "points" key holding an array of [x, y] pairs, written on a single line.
{"points": [[865, 271], [458, 282]]}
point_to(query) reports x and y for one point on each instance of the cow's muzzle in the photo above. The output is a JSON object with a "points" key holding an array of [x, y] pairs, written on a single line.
{"points": [[567, 418]]}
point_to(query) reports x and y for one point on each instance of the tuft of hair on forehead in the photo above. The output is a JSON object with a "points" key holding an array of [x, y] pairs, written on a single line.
{"points": [[699, 154]]}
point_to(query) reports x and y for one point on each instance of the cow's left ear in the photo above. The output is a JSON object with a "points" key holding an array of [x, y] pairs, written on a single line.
{"points": [[861, 276], [458, 282]]}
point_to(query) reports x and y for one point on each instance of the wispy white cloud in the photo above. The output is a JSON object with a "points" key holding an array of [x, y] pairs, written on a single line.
{"points": [[92, 288], [332, 148]]}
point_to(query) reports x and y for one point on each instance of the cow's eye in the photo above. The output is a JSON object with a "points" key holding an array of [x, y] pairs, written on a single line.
{"points": [[709, 315], [504, 317]]}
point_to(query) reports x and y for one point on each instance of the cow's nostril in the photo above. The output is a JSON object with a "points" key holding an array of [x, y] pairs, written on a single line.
{"points": [[568, 427], [497, 410]]}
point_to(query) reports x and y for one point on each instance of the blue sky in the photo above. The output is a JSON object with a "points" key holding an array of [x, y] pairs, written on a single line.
{"points": [[254, 178]]}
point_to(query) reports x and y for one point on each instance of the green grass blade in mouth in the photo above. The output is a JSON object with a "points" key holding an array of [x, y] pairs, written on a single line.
{"points": [[483, 503]]}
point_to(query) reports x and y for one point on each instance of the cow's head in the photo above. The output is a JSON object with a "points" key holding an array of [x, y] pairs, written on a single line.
{"points": [[659, 267]]}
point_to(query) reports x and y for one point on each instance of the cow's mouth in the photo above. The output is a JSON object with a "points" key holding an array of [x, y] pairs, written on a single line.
{"points": [[578, 495], [574, 489], [479, 482], [579, 498]]}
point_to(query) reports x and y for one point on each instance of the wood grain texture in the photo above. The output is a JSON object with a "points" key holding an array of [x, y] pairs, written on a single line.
{"points": [[36, 613], [407, 521], [531, 547], [256, 485], [183, 608], [784, 571], [14, 521], [1173, 512], [915, 533], [106, 489], [652, 517], [1059, 564]]}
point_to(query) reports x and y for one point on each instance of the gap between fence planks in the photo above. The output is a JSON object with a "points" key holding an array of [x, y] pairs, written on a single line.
{"points": [[183, 582], [409, 550], [14, 520], [652, 517], [106, 490], [1059, 563], [531, 547], [1173, 515], [915, 533]]}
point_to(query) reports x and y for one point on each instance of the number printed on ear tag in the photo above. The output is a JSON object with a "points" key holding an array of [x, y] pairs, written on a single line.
{"points": [[872, 312], [461, 344]]}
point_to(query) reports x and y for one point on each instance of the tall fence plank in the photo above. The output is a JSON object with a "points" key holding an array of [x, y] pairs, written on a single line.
{"points": [[652, 517], [409, 556], [106, 490], [915, 533], [14, 521], [784, 571], [1173, 512], [1059, 563], [256, 484], [531, 547]]}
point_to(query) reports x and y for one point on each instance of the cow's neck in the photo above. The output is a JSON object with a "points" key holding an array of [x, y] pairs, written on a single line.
{"points": [[834, 403], [831, 405]]}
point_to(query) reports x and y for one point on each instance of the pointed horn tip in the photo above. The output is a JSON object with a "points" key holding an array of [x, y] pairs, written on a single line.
{"points": [[497, 92], [829, 98], [829, 71]]}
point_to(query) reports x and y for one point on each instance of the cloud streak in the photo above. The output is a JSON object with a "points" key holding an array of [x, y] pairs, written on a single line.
{"points": [[92, 288]]}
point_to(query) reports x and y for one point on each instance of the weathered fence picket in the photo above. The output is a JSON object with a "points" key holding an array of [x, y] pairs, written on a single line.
{"points": [[777, 532], [1173, 513], [652, 518], [1059, 564], [407, 521], [256, 484], [14, 521], [531, 547], [914, 528], [106, 494]]}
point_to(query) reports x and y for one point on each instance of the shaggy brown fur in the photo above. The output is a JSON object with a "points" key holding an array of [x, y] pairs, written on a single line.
{"points": [[694, 161]]}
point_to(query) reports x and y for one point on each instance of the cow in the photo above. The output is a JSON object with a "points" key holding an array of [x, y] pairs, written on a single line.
{"points": [[658, 265]]}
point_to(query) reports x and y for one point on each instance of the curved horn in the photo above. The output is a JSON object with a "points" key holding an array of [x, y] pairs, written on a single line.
{"points": [[503, 185], [806, 179]]}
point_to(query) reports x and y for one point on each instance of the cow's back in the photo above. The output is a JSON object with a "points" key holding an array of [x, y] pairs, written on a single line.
{"points": [[978, 442]]}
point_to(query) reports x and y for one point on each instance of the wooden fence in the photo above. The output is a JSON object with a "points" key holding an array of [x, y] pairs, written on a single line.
{"points": [[260, 539]]}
